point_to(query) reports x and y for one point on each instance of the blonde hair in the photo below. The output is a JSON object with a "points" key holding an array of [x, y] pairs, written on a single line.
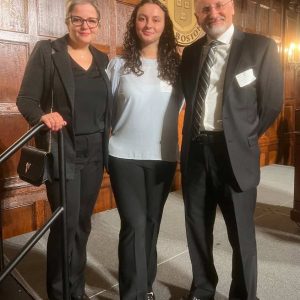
{"points": [[70, 4]]}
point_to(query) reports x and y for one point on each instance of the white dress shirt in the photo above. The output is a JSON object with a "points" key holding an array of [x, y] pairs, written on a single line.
{"points": [[212, 113]]}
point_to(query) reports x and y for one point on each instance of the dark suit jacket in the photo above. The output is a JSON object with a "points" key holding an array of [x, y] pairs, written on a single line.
{"points": [[34, 97], [247, 111]]}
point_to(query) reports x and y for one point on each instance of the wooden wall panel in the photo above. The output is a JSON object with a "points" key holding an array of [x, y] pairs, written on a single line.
{"points": [[288, 122], [263, 19], [238, 13], [13, 126], [290, 35], [13, 58], [297, 119], [251, 16], [13, 16], [290, 73], [23, 210], [265, 3], [25, 217], [272, 153], [50, 18], [297, 84], [276, 19], [104, 34], [123, 12], [295, 213]]}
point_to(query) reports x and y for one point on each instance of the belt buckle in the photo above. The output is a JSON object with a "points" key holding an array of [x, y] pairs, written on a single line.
{"points": [[202, 137], [203, 134]]}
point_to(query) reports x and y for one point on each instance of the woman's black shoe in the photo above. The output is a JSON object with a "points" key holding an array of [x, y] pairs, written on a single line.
{"points": [[82, 297], [150, 296]]}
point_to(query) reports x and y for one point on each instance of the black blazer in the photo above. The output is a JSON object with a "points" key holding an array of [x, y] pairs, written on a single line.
{"points": [[49, 63], [247, 111]]}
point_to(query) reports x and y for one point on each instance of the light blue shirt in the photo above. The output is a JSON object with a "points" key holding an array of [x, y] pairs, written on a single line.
{"points": [[145, 114]]}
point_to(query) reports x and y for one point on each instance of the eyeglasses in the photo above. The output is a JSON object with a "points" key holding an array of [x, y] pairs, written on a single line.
{"points": [[90, 22], [219, 6]]}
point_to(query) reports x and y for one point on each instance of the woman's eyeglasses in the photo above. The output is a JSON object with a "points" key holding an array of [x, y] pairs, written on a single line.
{"points": [[90, 22]]}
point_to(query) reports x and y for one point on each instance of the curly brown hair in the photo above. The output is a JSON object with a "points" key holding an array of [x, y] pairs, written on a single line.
{"points": [[167, 57]]}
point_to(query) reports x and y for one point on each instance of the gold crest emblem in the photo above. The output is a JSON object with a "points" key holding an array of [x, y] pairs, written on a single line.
{"points": [[185, 25]]}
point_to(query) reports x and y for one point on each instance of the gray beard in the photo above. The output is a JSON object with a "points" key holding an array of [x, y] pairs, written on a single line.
{"points": [[215, 31]]}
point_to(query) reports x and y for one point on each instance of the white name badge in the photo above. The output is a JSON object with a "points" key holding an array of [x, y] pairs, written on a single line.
{"points": [[245, 77]]}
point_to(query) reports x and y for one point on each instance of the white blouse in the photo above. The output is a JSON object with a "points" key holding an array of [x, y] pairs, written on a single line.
{"points": [[145, 114]]}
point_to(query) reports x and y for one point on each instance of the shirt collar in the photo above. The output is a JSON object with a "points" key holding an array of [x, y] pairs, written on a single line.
{"points": [[224, 38]]}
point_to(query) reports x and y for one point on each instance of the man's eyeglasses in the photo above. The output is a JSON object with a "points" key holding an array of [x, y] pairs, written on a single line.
{"points": [[90, 22], [219, 6]]}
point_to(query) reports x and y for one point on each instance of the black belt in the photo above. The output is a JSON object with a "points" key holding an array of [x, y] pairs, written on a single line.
{"points": [[208, 137]]}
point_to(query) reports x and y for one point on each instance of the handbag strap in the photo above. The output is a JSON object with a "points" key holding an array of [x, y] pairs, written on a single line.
{"points": [[52, 93]]}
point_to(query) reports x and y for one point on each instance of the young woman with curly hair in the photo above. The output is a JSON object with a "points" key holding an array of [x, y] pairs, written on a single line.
{"points": [[143, 147]]}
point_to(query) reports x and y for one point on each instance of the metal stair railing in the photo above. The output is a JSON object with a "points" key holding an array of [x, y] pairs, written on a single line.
{"points": [[60, 211]]}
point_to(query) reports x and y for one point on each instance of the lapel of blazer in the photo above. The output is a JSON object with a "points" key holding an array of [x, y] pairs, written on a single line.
{"points": [[63, 67], [196, 69], [234, 58]]}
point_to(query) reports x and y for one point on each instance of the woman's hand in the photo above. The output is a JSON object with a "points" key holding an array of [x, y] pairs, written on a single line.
{"points": [[53, 121]]}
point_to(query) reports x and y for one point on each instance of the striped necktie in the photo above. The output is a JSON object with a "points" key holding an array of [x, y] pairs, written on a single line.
{"points": [[202, 88]]}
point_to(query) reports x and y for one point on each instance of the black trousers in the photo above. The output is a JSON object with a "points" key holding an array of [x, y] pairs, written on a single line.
{"points": [[210, 182], [81, 194], [141, 189]]}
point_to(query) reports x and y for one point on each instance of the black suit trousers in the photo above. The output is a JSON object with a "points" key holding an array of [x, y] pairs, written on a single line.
{"points": [[210, 182], [81, 194], [141, 188]]}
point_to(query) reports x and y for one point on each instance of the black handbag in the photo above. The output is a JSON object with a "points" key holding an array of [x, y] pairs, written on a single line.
{"points": [[34, 165]]}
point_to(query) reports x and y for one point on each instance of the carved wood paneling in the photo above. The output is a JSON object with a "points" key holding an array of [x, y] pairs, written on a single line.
{"points": [[13, 58], [123, 12], [272, 132], [290, 88], [238, 13], [288, 119], [276, 19], [103, 36], [25, 218], [51, 18], [23, 209], [297, 84], [264, 19], [291, 27], [13, 126], [251, 16], [272, 153], [264, 154], [295, 213], [13, 16], [297, 119]]}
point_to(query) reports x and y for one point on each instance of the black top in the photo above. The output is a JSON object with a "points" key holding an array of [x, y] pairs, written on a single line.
{"points": [[90, 99]]}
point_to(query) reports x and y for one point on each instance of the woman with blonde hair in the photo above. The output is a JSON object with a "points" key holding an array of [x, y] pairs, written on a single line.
{"points": [[75, 71]]}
